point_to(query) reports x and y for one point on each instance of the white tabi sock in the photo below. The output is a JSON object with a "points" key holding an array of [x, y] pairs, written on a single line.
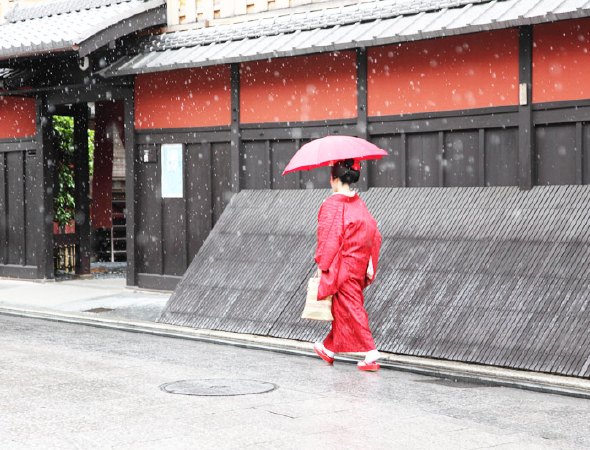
{"points": [[330, 353], [372, 356]]}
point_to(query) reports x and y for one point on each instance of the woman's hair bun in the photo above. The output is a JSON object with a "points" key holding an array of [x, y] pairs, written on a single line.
{"points": [[346, 170]]}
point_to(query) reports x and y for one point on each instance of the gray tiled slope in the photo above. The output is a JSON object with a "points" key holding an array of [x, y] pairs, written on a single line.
{"points": [[494, 276]]}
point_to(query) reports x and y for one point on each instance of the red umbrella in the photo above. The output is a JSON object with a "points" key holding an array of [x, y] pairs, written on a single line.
{"points": [[324, 151]]}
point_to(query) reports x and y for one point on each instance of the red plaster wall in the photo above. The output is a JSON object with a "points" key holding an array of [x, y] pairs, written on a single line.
{"points": [[302, 88], [17, 117], [561, 61], [459, 72], [183, 98]]}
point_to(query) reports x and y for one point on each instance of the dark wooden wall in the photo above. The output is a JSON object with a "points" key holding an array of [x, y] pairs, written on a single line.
{"points": [[19, 208], [447, 150], [475, 148], [170, 231], [562, 143], [442, 150]]}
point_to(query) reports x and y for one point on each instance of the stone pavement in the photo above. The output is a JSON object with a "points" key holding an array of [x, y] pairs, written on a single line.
{"points": [[108, 303], [72, 386], [102, 297]]}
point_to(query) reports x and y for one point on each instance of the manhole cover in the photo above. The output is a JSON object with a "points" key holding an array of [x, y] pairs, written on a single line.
{"points": [[99, 310], [454, 383], [218, 387]]}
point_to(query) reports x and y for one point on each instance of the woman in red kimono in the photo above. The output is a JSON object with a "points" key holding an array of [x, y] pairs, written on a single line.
{"points": [[347, 256]]}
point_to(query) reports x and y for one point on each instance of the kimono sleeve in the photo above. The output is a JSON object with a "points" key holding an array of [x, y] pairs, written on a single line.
{"points": [[329, 234], [375, 249]]}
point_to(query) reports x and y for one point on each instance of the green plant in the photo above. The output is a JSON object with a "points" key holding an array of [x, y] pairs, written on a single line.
{"points": [[64, 204]]}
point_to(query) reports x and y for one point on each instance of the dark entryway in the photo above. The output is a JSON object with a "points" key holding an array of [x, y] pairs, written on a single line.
{"points": [[88, 144], [70, 164], [107, 212]]}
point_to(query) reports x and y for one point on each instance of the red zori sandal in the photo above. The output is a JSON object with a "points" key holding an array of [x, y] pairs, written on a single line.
{"points": [[322, 354], [368, 367]]}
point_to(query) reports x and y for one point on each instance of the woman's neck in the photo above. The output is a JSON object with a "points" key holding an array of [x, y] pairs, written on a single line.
{"points": [[344, 189]]}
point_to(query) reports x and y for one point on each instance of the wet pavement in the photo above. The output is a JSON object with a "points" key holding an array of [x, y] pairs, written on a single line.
{"points": [[99, 297], [73, 386]]}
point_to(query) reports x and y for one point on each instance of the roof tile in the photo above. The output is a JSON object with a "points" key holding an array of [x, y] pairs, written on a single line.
{"points": [[363, 24], [61, 25]]}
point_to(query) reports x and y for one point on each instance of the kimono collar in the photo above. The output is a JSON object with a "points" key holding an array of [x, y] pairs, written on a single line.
{"points": [[344, 198]]}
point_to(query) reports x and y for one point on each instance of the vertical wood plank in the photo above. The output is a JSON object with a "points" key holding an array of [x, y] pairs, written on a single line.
{"points": [[441, 161], [579, 153], [16, 202], [481, 176], [210, 181], [403, 153], [3, 211], [254, 165], [158, 229], [31, 207], [269, 168], [298, 173], [281, 153], [501, 157], [198, 197], [586, 153], [185, 204], [222, 177]]}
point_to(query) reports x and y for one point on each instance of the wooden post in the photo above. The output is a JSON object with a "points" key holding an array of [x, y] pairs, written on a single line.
{"points": [[362, 124], [235, 128], [81, 179], [526, 130], [130, 196], [45, 170]]}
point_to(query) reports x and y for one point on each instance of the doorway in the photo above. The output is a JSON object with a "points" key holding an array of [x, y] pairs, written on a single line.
{"points": [[89, 189]]}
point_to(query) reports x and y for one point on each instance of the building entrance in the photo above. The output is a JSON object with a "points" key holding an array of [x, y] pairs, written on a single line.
{"points": [[87, 144]]}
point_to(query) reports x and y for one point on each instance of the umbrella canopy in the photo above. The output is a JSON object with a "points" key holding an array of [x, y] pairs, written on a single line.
{"points": [[324, 151]]}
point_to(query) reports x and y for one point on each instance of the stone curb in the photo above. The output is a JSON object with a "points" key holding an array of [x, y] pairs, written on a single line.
{"points": [[456, 371]]}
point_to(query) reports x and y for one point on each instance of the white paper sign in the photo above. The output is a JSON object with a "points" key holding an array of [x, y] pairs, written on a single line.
{"points": [[172, 174]]}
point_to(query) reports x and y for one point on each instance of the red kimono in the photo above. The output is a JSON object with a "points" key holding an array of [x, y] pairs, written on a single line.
{"points": [[348, 240]]}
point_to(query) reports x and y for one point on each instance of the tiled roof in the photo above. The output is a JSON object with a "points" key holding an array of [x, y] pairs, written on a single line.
{"points": [[46, 9], [329, 29], [269, 25], [63, 25]]}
